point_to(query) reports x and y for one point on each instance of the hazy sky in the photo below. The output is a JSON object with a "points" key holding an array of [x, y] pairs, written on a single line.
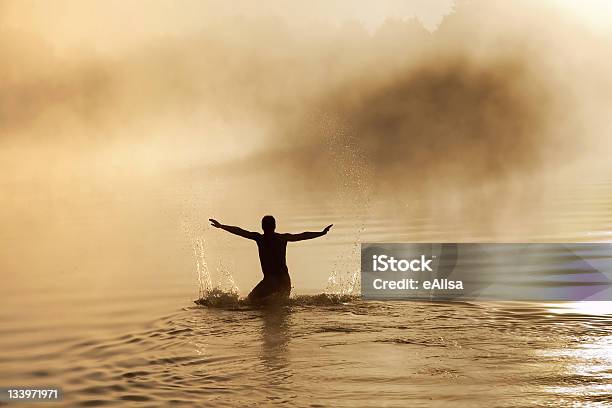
{"points": [[113, 113], [178, 76], [114, 24]]}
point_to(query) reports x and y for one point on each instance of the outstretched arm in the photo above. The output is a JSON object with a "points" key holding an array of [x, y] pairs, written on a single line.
{"points": [[308, 235], [234, 230]]}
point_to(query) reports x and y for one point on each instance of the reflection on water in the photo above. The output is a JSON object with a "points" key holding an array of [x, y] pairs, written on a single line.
{"points": [[588, 308], [276, 363], [590, 364]]}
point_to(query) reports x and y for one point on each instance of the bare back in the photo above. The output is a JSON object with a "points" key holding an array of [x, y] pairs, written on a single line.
{"points": [[273, 254]]}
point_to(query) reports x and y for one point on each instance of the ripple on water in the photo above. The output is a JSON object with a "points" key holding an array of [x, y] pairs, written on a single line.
{"points": [[214, 356]]}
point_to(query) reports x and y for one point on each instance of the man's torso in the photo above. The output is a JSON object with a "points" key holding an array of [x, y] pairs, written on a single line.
{"points": [[272, 255]]}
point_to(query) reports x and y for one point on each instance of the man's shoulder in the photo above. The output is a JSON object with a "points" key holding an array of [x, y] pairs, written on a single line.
{"points": [[280, 236]]}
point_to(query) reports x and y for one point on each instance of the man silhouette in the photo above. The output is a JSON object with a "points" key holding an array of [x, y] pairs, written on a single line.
{"points": [[272, 248]]}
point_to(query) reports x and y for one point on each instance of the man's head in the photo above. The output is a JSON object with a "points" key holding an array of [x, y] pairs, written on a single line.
{"points": [[268, 224]]}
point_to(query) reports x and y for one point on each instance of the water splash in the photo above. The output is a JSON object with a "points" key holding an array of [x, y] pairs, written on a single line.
{"points": [[323, 299], [219, 299], [204, 279], [344, 278], [352, 175], [226, 283], [225, 294]]}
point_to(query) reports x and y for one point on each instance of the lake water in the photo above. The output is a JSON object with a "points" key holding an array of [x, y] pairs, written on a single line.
{"points": [[107, 314]]}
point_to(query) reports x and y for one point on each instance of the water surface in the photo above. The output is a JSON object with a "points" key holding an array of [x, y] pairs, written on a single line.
{"points": [[113, 322]]}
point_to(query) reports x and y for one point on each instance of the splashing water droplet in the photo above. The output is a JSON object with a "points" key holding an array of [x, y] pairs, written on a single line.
{"points": [[204, 279], [226, 280], [352, 175]]}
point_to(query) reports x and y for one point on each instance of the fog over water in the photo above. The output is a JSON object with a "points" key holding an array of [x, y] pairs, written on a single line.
{"points": [[113, 134], [124, 126], [118, 139]]}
